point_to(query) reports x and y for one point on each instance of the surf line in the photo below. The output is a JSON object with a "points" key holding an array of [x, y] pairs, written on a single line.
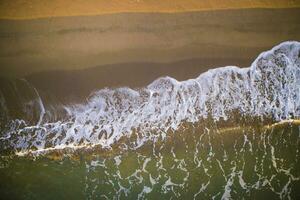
{"points": [[90, 146]]}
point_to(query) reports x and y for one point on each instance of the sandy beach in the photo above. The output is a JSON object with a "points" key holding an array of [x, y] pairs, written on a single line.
{"points": [[214, 38]]}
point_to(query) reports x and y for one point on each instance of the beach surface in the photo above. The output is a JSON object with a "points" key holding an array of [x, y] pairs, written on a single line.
{"points": [[209, 38], [32, 9]]}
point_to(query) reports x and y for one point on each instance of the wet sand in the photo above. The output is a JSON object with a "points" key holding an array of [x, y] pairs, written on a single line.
{"points": [[78, 84], [210, 38]]}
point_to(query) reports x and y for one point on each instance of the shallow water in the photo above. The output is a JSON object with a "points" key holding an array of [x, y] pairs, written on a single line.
{"points": [[198, 163]]}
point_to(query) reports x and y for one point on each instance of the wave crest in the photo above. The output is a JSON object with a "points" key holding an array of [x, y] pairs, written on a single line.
{"points": [[270, 88]]}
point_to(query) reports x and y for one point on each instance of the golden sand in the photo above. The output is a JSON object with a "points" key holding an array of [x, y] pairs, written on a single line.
{"points": [[30, 9]]}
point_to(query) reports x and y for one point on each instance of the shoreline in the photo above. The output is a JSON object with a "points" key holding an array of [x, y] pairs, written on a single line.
{"points": [[67, 150]]}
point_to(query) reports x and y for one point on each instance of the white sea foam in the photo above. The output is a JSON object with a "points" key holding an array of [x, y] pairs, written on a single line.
{"points": [[269, 88]]}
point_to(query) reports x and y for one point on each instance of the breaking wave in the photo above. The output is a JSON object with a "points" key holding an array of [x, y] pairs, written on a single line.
{"points": [[268, 89]]}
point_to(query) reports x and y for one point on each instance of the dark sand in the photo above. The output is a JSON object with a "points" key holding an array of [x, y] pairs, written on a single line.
{"points": [[78, 84]]}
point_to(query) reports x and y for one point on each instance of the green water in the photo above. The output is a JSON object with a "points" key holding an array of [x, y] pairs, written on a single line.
{"points": [[246, 163]]}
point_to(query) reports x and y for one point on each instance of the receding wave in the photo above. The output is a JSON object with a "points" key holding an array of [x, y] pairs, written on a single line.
{"points": [[268, 90]]}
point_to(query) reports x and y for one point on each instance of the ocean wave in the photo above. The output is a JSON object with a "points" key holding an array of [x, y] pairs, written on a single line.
{"points": [[268, 89]]}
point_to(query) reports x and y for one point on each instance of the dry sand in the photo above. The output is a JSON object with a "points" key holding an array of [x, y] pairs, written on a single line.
{"points": [[29, 9]]}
